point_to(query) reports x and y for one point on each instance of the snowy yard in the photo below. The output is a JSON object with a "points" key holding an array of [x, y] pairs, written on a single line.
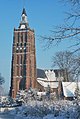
{"points": [[44, 110]]}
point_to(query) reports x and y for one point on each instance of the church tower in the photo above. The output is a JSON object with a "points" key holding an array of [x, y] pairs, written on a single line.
{"points": [[23, 69]]}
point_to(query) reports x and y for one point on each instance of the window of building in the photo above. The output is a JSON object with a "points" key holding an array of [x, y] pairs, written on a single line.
{"points": [[21, 37], [17, 59], [21, 71], [24, 44], [20, 59], [17, 44], [20, 44], [25, 37], [17, 50], [17, 70], [18, 37]]}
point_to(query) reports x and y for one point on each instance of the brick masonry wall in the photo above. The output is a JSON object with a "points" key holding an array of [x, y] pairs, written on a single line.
{"points": [[23, 74]]}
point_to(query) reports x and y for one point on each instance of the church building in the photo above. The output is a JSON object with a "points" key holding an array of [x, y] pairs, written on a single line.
{"points": [[23, 66]]}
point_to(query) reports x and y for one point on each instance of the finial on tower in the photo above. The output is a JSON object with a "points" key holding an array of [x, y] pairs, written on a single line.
{"points": [[24, 12], [24, 21]]}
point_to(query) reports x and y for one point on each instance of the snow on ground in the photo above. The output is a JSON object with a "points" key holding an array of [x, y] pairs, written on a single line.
{"points": [[45, 109]]}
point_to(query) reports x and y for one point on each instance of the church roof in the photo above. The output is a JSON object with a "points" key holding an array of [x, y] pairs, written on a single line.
{"points": [[45, 83], [51, 75], [41, 73], [69, 88]]}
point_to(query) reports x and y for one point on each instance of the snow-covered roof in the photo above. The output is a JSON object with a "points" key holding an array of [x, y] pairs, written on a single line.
{"points": [[41, 73], [69, 88], [45, 83], [43, 79], [51, 75]]}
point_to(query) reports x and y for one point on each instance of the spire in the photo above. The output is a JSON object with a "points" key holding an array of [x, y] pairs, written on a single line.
{"points": [[24, 12], [24, 21]]}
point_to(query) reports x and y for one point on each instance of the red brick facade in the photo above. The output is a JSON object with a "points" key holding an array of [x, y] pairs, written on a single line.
{"points": [[23, 70]]}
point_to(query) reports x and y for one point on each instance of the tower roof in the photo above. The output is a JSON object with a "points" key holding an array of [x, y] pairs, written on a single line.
{"points": [[24, 21], [24, 12]]}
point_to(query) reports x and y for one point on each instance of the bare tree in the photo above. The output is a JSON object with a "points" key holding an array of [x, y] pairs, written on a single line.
{"points": [[73, 2], [66, 61], [77, 99], [1, 79], [69, 30]]}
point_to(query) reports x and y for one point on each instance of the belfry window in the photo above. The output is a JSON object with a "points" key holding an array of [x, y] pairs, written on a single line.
{"points": [[17, 59], [20, 59], [21, 37], [25, 37], [17, 71], [17, 44], [24, 44], [18, 37], [21, 71], [20, 44]]}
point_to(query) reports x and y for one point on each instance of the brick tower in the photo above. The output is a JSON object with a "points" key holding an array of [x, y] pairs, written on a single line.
{"points": [[23, 69]]}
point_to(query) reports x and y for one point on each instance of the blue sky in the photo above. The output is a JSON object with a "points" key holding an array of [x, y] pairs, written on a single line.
{"points": [[43, 15]]}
